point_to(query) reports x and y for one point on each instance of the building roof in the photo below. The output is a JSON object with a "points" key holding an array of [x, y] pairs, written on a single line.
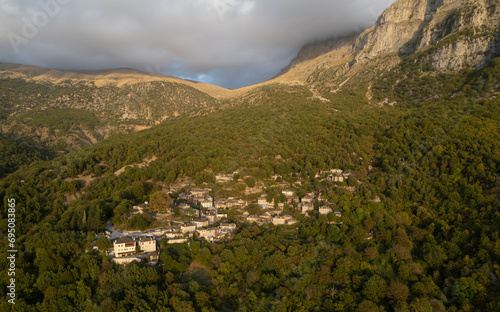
{"points": [[124, 240], [200, 220], [145, 239]]}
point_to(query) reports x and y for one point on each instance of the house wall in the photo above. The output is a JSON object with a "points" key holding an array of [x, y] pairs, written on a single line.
{"points": [[148, 246], [120, 249]]}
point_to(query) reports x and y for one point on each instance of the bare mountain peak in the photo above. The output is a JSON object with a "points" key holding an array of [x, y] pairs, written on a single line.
{"points": [[457, 33], [108, 77], [399, 25], [319, 47]]}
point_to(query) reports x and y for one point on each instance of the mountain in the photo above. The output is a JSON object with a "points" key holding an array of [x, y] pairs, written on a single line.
{"points": [[447, 35], [451, 35], [408, 110], [67, 110], [116, 77]]}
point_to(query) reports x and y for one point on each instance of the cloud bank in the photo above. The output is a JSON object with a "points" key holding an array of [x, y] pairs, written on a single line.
{"points": [[231, 43]]}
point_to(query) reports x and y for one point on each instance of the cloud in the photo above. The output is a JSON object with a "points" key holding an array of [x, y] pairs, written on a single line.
{"points": [[231, 43]]}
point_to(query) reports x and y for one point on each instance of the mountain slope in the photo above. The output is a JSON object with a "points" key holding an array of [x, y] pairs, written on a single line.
{"points": [[67, 110], [455, 34], [81, 108], [432, 164], [114, 77], [420, 220]]}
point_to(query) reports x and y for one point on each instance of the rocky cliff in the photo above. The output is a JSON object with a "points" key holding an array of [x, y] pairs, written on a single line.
{"points": [[342, 45], [453, 34]]}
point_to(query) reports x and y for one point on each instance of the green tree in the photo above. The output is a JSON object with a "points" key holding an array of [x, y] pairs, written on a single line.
{"points": [[375, 288], [250, 181], [160, 202], [103, 243], [398, 291]]}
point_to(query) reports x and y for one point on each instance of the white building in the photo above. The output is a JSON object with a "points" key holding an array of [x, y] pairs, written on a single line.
{"points": [[336, 178], [211, 216], [200, 222], [279, 220], [266, 217], [252, 218], [284, 220], [199, 192], [308, 198], [308, 206], [336, 171], [262, 201], [220, 203], [227, 226], [188, 227], [173, 235], [177, 241], [208, 234], [221, 215], [221, 177], [324, 210], [207, 202], [147, 244], [124, 246]]}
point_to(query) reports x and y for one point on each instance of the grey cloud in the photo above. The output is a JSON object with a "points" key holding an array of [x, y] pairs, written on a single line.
{"points": [[231, 43]]}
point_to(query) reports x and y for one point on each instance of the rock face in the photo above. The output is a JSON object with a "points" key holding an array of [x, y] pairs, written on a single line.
{"points": [[397, 25], [455, 34], [472, 32], [342, 45], [465, 33]]}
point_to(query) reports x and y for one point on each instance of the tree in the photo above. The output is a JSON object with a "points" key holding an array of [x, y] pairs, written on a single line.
{"points": [[159, 202], [250, 181], [103, 243], [236, 176], [398, 291], [370, 253], [466, 288], [375, 288], [352, 181], [367, 306]]}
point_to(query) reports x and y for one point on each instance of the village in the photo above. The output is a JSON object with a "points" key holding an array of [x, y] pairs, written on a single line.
{"points": [[194, 214]]}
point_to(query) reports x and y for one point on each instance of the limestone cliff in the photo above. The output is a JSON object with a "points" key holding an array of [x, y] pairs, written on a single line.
{"points": [[342, 44], [397, 25], [453, 33]]}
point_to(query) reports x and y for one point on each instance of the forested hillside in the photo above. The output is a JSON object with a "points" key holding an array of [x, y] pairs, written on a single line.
{"points": [[432, 160], [408, 111], [67, 115]]}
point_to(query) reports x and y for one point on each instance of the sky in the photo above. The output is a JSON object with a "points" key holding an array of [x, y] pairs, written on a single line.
{"points": [[230, 43]]}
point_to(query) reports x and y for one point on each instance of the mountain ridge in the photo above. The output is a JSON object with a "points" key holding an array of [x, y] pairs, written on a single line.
{"points": [[405, 27], [446, 35], [114, 77], [403, 148]]}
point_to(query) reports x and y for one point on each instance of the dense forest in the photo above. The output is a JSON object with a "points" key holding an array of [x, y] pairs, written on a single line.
{"points": [[433, 162], [15, 153]]}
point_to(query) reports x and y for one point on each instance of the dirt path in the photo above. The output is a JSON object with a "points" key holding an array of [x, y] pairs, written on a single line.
{"points": [[143, 164]]}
